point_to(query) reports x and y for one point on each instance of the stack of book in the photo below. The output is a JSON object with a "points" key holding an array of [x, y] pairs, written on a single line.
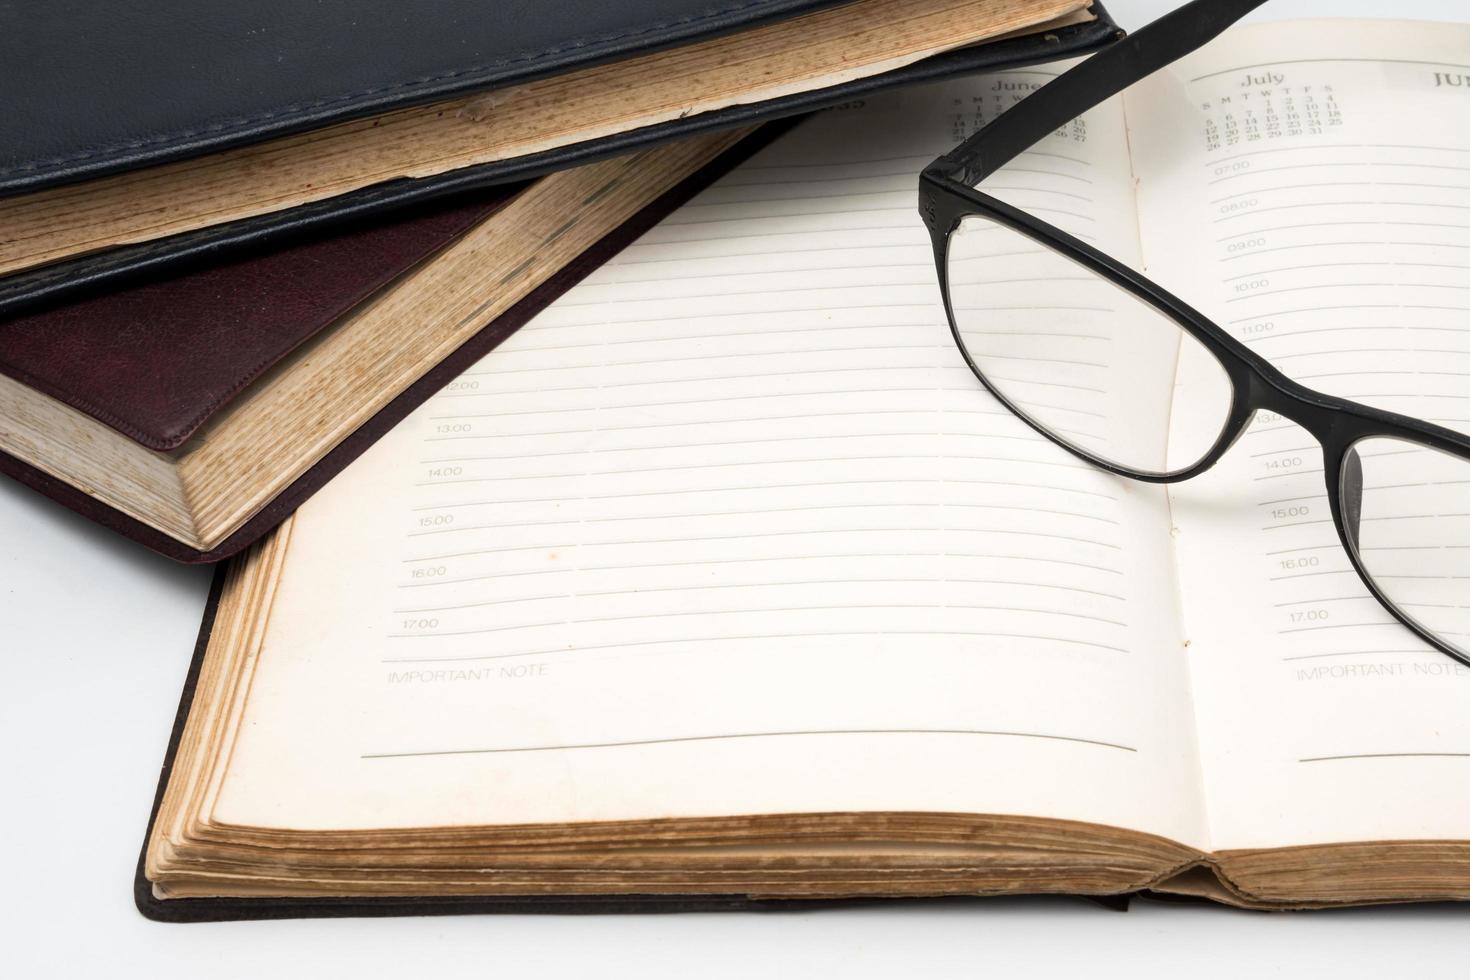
{"points": [[673, 600], [213, 302]]}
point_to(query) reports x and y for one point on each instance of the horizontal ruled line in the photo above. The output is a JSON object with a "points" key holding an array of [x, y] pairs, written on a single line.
{"points": [[1019, 484], [712, 562], [701, 358], [825, 634], [1337, 626], [798, 460], [1338, 224], [662, 615], [648, 382], [747, 735], [1387, 755], [1346, 265], [937, 413], [768, 584], [1317, 148], [1319, 166], [1343, 183], [1057, 464], [758, 535], [824, 509], [706, 399]]}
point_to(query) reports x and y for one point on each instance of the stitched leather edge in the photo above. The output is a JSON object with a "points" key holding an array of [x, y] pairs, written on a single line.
{"points": [[25, 290], [469, 75]]}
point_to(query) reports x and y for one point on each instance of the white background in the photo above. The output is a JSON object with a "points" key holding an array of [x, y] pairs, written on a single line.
{"points": [[94, 643]]}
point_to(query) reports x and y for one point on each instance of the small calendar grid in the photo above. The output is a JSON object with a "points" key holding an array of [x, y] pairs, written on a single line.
{"points": [[1269, 113]]}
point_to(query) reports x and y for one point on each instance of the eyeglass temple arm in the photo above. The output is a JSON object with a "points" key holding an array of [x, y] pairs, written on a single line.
{"points": [[1088, 84]]}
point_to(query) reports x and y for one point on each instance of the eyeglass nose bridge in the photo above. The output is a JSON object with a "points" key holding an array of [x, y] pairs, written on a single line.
{"points": [[1268, 390]]}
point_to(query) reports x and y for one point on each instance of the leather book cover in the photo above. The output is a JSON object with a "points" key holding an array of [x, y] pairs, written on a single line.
{"points": [[156, 360], [98, 117], [78, 105]]}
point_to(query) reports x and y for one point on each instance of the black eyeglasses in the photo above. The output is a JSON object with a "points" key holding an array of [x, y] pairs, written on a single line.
{"points": [[1388, 476]]}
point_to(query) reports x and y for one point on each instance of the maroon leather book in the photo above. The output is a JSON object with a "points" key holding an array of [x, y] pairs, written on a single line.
{"points": [[156, 361]]}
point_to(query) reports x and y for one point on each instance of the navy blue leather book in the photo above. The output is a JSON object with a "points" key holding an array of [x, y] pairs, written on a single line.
{"points": [[143, 135]]}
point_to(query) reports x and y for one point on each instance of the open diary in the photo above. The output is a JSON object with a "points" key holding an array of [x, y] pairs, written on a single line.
{"points": [[724, 577]]}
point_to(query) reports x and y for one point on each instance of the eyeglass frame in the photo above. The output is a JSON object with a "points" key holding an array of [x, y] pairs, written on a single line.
{"points": [[947, 195]]}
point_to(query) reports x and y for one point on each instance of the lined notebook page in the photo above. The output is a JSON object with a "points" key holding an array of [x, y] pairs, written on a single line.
{"points": [[1329, 190], [731, 529]]}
